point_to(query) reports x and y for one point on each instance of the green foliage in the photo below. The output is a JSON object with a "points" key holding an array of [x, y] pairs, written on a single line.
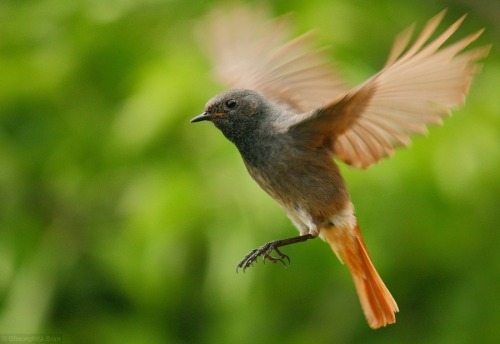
{"points": [[121, 222]]}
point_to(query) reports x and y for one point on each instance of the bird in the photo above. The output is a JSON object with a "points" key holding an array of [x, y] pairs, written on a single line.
{"points": [[291, 117]]}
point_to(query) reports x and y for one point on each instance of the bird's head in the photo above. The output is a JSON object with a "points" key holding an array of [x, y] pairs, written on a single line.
{"points": [[238, 113]]}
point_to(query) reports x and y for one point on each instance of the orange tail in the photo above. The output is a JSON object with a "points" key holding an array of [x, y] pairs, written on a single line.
{"points": [[376, 300]]}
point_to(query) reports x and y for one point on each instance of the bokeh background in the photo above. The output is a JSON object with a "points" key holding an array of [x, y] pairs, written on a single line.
{"points": [[122, 223]]}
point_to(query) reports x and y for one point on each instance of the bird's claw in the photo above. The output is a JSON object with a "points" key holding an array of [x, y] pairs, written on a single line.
{"points": [[265, 251]]}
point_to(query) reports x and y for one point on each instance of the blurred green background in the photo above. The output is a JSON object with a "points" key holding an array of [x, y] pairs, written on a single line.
{"points": [[122, 223]]}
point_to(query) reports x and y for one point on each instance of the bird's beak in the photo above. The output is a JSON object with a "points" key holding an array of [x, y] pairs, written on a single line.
{"points": [[203, 117]]}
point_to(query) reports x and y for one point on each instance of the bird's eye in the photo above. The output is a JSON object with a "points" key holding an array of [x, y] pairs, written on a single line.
{"points": [[231, 103]]}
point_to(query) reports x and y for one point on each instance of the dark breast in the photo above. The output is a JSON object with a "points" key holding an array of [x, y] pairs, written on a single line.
{"points": [[299, 178]]}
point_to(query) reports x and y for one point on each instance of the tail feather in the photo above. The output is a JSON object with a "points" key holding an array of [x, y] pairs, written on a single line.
{"points": [[376, 300]]}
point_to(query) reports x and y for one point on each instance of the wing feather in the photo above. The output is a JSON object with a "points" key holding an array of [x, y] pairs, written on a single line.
{"points": [[418, 86], [415, 89], [250, 51]]}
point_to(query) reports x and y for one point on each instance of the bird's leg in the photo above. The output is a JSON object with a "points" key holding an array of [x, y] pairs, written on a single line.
{"points": [[266, 250]]}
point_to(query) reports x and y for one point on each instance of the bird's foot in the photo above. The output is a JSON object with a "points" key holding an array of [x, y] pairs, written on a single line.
{"points": [[266, 251]]}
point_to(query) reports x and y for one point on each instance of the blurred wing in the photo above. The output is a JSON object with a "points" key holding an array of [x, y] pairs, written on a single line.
{"points": [[249, 51], [413, 90]]}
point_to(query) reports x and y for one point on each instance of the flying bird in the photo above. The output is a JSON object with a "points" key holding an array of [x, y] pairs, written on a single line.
{"points": [[290, 116]]}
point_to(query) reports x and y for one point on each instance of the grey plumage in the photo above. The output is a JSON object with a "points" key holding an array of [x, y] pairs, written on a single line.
{"points": [[280, 159], [290, 116]]}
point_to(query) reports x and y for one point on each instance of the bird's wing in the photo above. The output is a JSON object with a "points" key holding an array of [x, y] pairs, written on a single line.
{"points": [[414, 89], [250, 51]]}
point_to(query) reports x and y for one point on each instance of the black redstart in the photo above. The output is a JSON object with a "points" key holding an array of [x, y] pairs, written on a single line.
{"points": [[289, 116]]}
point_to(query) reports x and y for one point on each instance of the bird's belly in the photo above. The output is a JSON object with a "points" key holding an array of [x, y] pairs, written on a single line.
{"points": [[310, 193]]}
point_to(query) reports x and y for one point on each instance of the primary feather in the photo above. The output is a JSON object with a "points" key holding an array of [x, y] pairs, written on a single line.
{"points": [[250, 51], [418, 86], [413, 90]]}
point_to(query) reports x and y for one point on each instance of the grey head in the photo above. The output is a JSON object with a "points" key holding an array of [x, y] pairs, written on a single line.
{"points": [[243, 116]]}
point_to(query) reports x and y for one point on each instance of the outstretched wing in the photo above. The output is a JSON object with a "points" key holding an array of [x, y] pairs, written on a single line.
{"points": [[250, 51], [415, 88]]}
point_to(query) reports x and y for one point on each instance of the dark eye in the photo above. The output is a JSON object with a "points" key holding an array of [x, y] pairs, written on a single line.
{"points": [[231, 103]]}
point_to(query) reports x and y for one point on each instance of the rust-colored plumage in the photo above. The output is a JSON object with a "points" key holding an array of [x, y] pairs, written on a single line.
{"points": [[289, 114], [376, 300]]}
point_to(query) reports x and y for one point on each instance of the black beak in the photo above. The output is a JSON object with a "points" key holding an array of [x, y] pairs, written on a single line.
{"points": [[203, 117]]}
